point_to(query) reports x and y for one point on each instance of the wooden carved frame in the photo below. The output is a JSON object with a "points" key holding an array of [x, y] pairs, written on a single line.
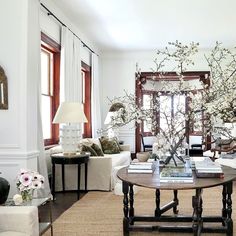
{"points": [[3, 90]]}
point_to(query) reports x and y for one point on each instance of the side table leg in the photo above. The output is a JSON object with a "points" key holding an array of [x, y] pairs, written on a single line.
{"points": [[78, 190], [125, 189], [53, 181], [157, 210], [86, 177], [63, 177], [229, 221], [50, 215]]}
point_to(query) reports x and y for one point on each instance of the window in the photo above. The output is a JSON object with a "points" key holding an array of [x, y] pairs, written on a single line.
{"points": [[168, 107], [147, 100], [86, 98], [50, 73], [147, 90], [46, 90]]}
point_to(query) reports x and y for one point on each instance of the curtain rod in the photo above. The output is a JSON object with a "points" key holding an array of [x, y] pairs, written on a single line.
{"points": [[63, 24]]}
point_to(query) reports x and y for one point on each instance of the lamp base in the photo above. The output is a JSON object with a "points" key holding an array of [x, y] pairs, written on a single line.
{"points": [[69, 139]]}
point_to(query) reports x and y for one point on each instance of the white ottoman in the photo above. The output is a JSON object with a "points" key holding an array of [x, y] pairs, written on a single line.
{"points": [[118, 183]]}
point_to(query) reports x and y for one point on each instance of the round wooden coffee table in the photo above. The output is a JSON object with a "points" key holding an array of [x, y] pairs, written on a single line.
{"points": [[197, 227]]}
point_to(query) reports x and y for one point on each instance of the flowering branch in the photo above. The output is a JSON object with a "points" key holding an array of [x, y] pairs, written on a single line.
{"points": [[217, 99]]}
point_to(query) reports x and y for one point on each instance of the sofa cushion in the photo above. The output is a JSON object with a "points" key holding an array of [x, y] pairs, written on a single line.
{"points": [[86, 148], [97, 149], [123, 158], [85, 141], [109, 146], [90, 141], [117, 141]]}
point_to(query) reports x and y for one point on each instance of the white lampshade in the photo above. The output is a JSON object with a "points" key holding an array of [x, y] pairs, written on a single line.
{"points": [[70, 112]]}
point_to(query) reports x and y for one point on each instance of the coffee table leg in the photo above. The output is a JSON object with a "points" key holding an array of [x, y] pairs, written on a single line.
{"points": [[229, 221], [125, 189], [131, 202], [157, 211], [197, 212], [224, 211]]}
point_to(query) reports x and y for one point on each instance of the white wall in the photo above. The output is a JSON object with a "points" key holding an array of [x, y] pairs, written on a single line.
{"points": [[118, 74], [51, 27], [19, 57]]}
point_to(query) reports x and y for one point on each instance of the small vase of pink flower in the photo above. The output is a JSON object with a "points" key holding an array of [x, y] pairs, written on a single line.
{"points": [[27, 182]]}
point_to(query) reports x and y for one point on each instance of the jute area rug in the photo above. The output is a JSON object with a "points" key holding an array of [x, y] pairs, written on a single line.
{"points": [[101, 213]]}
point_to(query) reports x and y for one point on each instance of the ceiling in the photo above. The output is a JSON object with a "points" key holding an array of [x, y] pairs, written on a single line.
{"points": [[151, 24]]}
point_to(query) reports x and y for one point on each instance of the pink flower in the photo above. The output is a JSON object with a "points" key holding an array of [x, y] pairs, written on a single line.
{"points": [[37, 184], [29, 180], [26, 179]]}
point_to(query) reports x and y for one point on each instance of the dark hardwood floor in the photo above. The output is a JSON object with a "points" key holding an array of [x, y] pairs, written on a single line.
{"points": [[62, 202]]}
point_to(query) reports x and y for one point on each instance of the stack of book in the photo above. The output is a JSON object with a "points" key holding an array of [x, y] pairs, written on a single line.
{"points": [[176, 175], [141, 167], [208, 169]]}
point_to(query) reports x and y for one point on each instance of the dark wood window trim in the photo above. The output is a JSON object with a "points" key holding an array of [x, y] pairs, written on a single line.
{"points": [[87, 103], [171, 76], [50, 45]]}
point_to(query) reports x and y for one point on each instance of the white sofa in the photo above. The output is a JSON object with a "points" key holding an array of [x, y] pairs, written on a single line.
{"points": [[19, 221], [100, 170]]}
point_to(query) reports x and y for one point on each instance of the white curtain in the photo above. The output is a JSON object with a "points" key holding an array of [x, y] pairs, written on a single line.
{"points": [[70, 67], [42, 166], [96, 109]]}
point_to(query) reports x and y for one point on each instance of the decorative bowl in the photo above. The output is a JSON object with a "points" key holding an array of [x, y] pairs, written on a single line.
{"points": [[143, 156]]}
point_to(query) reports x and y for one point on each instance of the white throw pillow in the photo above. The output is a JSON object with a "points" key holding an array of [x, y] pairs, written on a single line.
{"points": [[90, 141]]}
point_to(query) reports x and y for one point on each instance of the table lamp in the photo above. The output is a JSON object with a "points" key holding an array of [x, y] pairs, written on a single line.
{"points": [[70, 113]]}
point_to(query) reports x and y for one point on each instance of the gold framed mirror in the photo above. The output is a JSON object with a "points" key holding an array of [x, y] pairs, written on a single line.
{"points": [[3, 90]]}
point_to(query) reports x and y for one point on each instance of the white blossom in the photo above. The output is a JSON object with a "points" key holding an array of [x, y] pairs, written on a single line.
{"points": [[216, 99]]}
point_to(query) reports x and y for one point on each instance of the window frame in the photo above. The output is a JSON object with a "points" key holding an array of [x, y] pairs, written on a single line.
{"points": [[86, 69], [53, 47]]}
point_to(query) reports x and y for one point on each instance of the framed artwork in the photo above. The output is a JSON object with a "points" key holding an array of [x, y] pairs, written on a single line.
{"points": [[3, 90]]}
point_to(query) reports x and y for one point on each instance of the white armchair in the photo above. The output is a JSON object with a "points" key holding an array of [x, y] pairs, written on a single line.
{"points": [[19, 221]]}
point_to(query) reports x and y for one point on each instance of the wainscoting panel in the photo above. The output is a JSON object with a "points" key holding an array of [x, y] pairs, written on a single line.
{"points": [[11, 163], [128, 136]]}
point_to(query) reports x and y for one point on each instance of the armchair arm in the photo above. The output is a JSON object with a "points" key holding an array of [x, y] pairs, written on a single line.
{"points": [[217, 151], [22, 219], [222, 149]]}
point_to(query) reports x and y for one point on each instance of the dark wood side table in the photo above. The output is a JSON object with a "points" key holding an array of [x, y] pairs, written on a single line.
{"points": [[61, 159]]}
